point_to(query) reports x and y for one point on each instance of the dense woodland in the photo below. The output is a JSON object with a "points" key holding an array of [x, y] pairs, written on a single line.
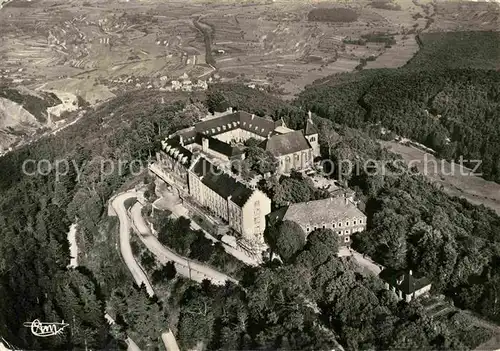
{"points": [[35, 214], [454, 112], [412, 223], [311, 300], [471, 49], [447, 98]]}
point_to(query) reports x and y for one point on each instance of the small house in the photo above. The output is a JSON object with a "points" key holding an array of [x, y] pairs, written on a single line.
{"points": [[404, 284]]}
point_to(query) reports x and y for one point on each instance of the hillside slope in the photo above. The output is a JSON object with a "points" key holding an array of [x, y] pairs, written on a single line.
{"points": [[453, 111], [22, 113]]}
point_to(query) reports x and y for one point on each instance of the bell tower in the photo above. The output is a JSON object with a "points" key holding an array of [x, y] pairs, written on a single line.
{"points": [[311, 134]]}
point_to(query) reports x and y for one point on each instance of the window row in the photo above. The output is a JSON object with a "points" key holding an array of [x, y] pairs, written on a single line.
{"points": [[337, 225]]}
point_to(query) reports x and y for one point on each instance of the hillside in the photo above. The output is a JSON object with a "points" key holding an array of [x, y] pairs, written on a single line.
{"points": [[328, 297], [445, 98], [119, 58], [36, 103], [457, 50], [23, 113], [36, 212]]}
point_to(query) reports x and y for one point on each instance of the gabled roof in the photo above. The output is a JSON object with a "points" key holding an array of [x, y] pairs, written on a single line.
{"points": [[319, 212], [310, 128], [404, 281], [214, 126], [240, 119], [284, 144], [221, 183], [174, 148], [219, 146], [255, 124]]}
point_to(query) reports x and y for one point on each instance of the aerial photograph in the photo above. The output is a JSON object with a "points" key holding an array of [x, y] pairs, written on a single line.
{"points": [[193, 175]]}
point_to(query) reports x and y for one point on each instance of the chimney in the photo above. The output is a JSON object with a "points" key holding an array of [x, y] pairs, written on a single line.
{"points": [[399, 280], [310, 115], [204, 145]]}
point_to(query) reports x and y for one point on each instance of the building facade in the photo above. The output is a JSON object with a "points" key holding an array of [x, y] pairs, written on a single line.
{"points": [[243, 208], [291, 150], [404, 284], [172, 164], [222, 138], [188, 156], [339, 214]]}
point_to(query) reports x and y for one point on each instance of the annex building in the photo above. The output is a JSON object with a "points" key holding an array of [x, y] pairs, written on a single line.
{"points": [[339, 214], [404, 284]]}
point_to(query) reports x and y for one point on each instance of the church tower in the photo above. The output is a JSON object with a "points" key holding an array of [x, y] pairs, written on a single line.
{"points": [[311, 134]]}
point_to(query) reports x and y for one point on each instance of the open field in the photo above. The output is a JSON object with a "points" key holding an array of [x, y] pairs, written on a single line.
{"points": [[98, 49], [116, 45], [473, 188]]}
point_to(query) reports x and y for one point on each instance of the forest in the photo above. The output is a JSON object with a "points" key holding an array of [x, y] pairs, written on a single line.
{"points": [[452, 111], [312, 299], [412, 224], [447, 97], [35, 215]]}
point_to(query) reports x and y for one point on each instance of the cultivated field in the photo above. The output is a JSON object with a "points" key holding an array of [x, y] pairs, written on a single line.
{"points": [[98, 48]]}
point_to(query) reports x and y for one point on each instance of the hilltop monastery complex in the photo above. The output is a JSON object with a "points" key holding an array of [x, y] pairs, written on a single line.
{"points": [[192, 160]]}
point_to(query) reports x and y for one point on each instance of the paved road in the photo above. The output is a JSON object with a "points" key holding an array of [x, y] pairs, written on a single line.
{"points": [[118, 204], [125, 248], [73, 247], [173, 203], [169, 341], [132, 346], [185, 267]]}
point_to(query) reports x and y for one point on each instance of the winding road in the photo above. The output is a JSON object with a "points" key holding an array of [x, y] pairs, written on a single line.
{"points": [[118, 204], [184, 266]]}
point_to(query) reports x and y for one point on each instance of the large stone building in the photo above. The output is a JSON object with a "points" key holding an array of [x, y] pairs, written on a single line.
{"points": [[187, 159], [173, 163], [339, 214], [243, 208], [222, 138]]}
